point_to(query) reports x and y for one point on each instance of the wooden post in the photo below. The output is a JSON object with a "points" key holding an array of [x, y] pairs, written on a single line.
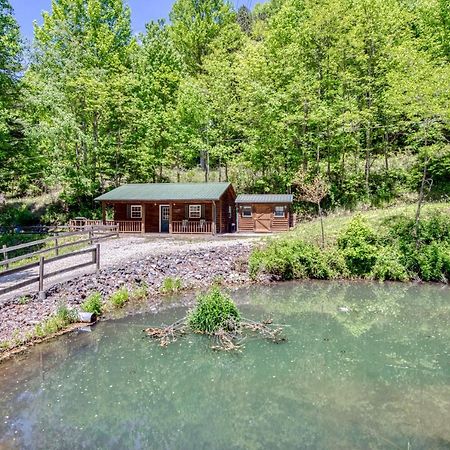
{"points": [[97, 258], [41, 279], [90, 237], [143, 219], [170, 218], [213, 217], [103, 213], [56, 247], [5, 256]]}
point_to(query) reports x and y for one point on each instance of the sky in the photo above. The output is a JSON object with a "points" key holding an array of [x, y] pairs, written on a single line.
{"points": [[26, 11]]}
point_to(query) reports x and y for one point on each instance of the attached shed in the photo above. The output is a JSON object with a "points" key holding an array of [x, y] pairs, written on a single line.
{"points": [[264, 213], [192, 208]]}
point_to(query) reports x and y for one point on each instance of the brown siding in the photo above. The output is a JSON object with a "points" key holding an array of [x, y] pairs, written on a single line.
{"points": [[226, 201], [263, 219], [179, 213]]}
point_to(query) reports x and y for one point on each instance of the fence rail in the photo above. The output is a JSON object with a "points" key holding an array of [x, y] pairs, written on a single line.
{"points": [[95, 251], [90, 235]]}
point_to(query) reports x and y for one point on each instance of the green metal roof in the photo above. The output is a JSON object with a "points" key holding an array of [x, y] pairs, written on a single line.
{"points": [[166, 192], [265, 198]]}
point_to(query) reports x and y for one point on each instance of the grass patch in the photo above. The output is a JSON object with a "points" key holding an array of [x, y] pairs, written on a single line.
{"points": [[139, 292], [170, 285], [60, 320], [214, 310]]}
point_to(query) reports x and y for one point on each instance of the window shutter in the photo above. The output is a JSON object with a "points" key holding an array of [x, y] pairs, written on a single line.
{"points": [[186, 211], [203, 212], [128, 211]]}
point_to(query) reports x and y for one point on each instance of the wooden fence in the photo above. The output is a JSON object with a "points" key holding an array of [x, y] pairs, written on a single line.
{"points": [[124, 226], [89, 236]]}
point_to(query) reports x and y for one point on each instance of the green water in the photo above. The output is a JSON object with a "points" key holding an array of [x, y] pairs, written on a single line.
{"points": [[377, 377]]}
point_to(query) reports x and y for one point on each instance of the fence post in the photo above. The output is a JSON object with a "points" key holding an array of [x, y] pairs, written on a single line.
{"points": [[90, 237], [56, 247], [41, 279], [5, 256], [97, 257]]}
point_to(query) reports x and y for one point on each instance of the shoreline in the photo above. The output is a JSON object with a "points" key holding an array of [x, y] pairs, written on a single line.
{"points": [[196, 269]]}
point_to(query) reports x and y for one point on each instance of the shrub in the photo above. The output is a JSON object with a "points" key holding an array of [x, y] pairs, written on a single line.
{"points": [[93, 304], [170, 285], [214, 310], [290, 259], [388, 266], [119, 298], [358, 244]]}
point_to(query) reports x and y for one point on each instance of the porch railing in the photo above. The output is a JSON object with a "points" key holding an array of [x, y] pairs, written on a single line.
{"points": [[191, 227], [129, 226]]}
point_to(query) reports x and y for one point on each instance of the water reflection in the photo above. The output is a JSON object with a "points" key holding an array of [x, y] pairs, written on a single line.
{"points": [[366, 366]]}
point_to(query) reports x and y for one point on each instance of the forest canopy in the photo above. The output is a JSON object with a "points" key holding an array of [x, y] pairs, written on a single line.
{"points": [[354, 91]]}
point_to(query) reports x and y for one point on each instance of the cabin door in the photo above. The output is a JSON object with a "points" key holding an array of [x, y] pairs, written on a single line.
{"points": [[164, 218]]}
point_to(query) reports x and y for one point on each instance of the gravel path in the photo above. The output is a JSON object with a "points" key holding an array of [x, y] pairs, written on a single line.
{"points": [[115, 252]]}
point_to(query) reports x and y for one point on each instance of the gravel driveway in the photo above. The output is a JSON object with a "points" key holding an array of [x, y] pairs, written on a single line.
{"points": [[115, 252]]}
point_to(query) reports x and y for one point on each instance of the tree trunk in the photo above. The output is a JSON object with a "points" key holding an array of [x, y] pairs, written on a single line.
{"points": [[321, 223]]}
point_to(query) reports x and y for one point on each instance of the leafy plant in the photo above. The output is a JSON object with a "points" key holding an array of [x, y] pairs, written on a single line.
{"points": [[213, 311], [140, 292], [93, 304], [119, 298]]}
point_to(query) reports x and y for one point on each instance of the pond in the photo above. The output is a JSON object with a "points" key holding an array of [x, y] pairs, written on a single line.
{"points": [[365, 366]]}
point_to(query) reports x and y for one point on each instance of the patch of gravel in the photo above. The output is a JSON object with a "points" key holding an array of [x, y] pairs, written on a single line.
{"points": [[129, 262]]}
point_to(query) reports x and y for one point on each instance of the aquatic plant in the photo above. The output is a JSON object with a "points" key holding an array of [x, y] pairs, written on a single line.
{"points": [[216, 315], [214, 310], [58, 321], [139, 292], [93, 304]]}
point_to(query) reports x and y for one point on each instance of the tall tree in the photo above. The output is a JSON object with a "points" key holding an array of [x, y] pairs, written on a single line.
{"points": [[10, 53]]}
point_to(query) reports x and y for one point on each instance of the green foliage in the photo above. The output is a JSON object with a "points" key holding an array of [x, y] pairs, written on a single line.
{"points": [[394, 253], [171, 285], [358, 244], [93, 304], [212, 312], [364, 100], [119, 298], [389, 265]]}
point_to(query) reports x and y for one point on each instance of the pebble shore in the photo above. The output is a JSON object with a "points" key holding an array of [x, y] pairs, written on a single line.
{"points": [[197, 268]]}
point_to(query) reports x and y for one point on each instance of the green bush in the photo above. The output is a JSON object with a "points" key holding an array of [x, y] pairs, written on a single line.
{"points": [[389, 266], [214, 310], [290, 259], [358, 244], [93, 304], [119, 298]]}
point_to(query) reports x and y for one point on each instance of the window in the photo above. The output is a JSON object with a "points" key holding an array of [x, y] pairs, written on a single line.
{"points": [[195, 211], [246, 211], [136, 212], [230, 212], [278, 211]]}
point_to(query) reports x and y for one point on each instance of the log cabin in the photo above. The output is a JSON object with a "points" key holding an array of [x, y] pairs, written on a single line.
{"points": [[264, 213], [178, 208]]}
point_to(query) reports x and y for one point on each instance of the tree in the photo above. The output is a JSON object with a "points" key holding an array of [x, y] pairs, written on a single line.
{"points": [[313, 191], [10, 65], [195, 24]]}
